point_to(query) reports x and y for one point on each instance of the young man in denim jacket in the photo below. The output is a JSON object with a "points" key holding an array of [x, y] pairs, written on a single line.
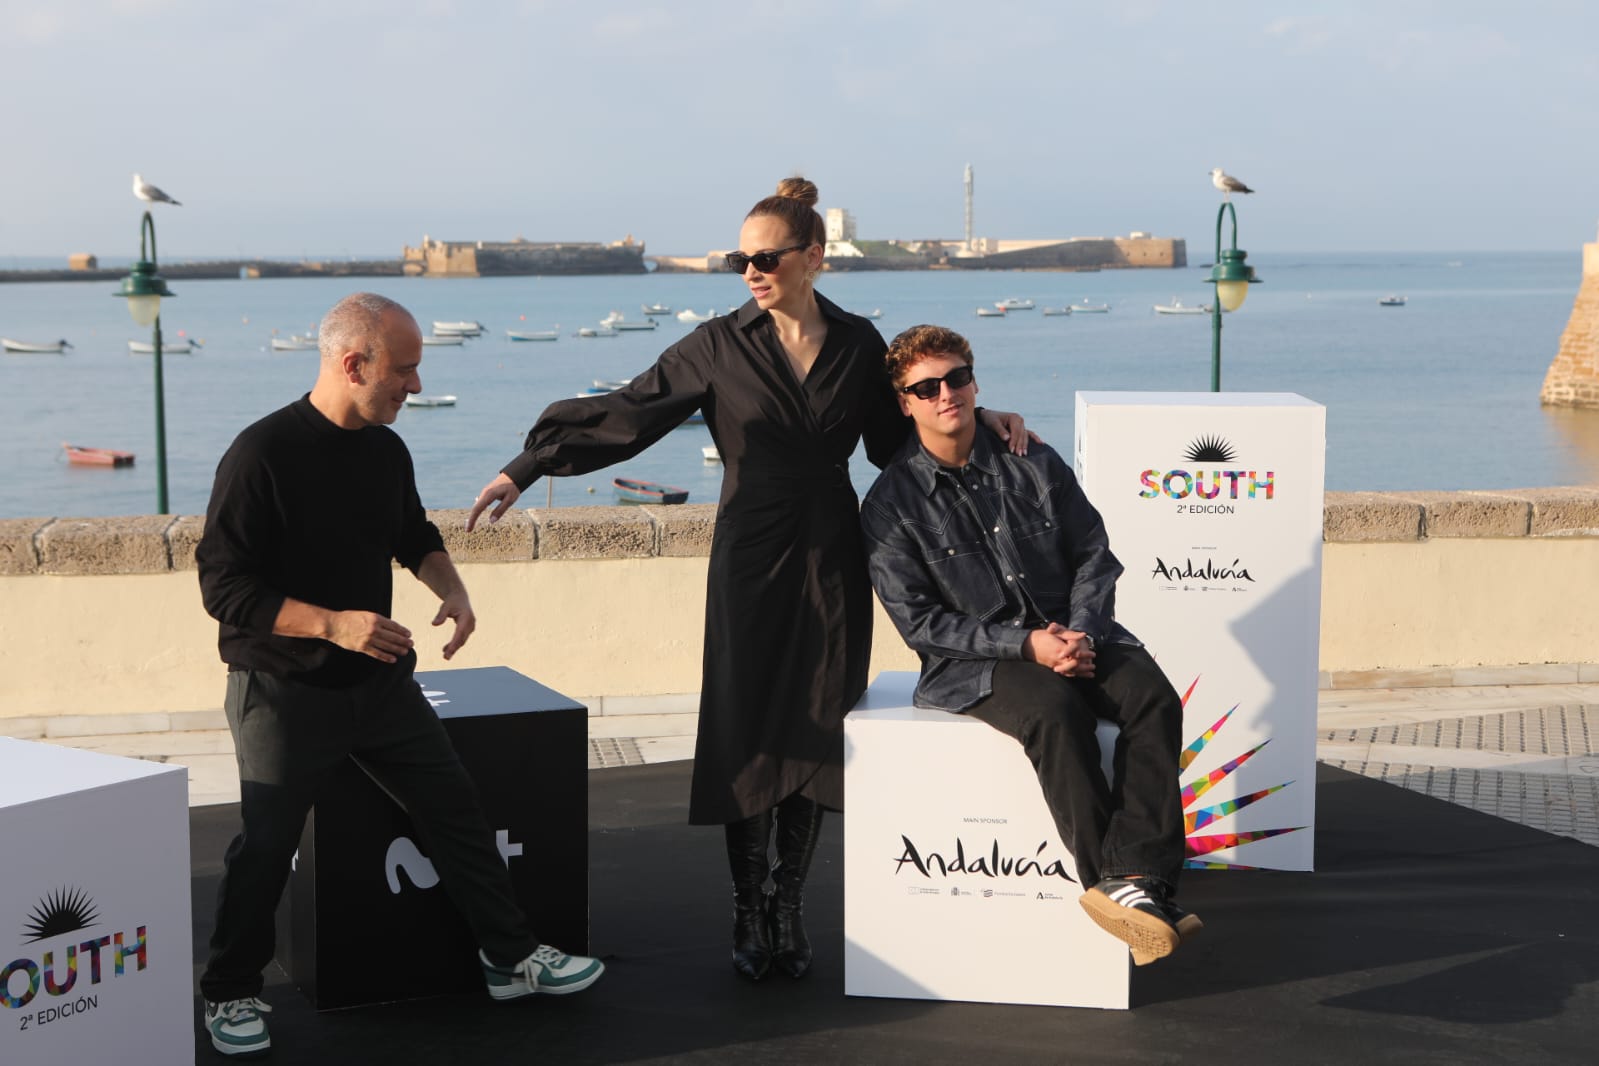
{"points": [[996, 569]]}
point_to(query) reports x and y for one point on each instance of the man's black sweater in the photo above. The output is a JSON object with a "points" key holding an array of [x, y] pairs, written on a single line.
{"points": [[304, 509]]}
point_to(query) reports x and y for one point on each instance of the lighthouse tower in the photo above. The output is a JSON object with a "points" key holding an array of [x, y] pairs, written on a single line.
{"points": [[971, 245]]}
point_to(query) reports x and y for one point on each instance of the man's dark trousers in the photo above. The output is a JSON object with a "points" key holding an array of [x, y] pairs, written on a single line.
{"points": [[1134, 828], [289, 737]]}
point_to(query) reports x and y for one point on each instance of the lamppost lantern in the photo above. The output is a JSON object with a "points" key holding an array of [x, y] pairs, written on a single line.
{"points": [[143, 289], [1232, 277]]}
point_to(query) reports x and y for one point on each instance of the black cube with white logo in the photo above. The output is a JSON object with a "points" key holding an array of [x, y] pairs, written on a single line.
{"points": [[365, 919]]}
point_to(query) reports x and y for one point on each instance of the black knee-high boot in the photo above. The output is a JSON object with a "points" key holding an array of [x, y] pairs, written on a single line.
{"points": [[799, 823], [746, 858]]}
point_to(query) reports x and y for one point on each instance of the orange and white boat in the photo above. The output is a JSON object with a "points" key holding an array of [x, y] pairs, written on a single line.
{"points": [[80, 456]]}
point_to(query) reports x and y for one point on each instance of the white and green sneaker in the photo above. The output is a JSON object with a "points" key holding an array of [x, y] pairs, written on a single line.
{"points": [[236, 1026], [546, 971]]}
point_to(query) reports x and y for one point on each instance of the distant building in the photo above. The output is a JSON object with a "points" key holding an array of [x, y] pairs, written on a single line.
{"points": [[82, 261], [472, 259], [840, 225]]}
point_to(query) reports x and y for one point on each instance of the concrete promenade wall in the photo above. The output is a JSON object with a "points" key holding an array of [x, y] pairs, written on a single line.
{"points": [[102, 617]]}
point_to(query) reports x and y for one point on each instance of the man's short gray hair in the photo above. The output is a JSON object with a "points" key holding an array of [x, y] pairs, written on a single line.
{"points": [[355, 322]]}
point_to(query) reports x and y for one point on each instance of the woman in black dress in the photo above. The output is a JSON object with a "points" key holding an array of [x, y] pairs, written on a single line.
{"points": [[789, 385]]}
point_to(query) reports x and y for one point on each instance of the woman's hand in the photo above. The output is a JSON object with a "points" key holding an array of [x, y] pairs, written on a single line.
{"points": [[502, 492], [1011, 427]]}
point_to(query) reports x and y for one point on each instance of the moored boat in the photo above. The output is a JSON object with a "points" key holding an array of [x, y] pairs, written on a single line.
{"points": [[690, 315], [629, 490], [43, 348], [990, 312], [1177, 307], [449, 340], [1012, 303], [655, 309], [534, 334], [78, 455], [430, 401], [464, 329], [167, 348], [600, 331], [1048, 311], [1086, 308], [711, 454], [1391, 301], [293, 344]]}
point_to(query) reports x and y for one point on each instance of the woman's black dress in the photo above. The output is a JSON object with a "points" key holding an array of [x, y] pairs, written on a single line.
{"points": [[788, 618]]}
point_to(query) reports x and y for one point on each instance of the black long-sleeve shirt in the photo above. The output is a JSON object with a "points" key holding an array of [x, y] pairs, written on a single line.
{"points": [[303, 509]]}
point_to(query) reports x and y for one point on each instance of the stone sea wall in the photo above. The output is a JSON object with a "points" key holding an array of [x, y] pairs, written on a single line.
{"points": [[1573, 377], [102, 616]]}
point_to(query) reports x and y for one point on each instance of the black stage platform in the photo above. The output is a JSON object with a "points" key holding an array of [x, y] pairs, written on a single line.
{"points": [[1429, 934]]}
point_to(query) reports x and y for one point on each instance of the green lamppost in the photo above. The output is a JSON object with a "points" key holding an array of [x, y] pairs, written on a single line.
{"points": [[143, 290], [1232, 278]]}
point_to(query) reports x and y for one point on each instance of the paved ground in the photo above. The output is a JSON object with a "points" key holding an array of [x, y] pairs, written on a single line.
{"points": [[1527, 753]]}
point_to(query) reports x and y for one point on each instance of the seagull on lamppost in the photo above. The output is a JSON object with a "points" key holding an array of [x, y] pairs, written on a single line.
{"points": [[150, 194], [1227, 183]]}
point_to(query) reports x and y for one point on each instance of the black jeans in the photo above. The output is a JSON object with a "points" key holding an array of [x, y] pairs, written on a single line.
{"points": [[1134, 827], [289, 737]]}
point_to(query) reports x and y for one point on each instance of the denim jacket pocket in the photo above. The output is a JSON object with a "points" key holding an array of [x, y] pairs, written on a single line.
{"points": [[964, 570]]}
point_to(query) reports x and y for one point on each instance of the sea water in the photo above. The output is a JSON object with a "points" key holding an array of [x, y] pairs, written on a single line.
{"points": [[1439, 394]]}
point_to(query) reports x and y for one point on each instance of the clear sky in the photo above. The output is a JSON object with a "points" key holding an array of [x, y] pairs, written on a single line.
{"points": [[349, 127]]}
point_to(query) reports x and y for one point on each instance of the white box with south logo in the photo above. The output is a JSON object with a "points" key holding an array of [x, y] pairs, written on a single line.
{"points": [[1213, 504], [94, 908], [956, 884]]}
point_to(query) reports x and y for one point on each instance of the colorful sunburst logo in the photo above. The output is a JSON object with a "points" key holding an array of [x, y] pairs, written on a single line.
{"points": [[1201, 844], [66, 910]]}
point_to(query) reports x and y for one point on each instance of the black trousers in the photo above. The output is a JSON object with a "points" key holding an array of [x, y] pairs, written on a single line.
{"points": [[1134, 827], [289, 737]]}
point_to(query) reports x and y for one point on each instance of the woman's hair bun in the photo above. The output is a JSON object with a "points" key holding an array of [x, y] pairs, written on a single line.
{"points": [[797, 188]]}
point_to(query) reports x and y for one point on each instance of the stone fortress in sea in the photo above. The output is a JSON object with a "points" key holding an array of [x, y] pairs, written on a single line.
{"points": [[847, 251], [521, 257]]}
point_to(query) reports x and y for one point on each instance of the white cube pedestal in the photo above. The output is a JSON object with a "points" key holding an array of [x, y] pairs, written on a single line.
{"points": [[956, 885], [94, 908]]}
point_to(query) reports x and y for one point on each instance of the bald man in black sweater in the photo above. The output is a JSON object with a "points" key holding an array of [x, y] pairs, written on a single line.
{"points": [[311, 506]]}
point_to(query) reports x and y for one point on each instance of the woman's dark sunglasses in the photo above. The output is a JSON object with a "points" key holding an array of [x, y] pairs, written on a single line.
{"points": [[927, 388], [765, 262]]}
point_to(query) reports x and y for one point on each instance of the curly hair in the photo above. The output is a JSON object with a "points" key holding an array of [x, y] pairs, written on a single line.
{"points": [[923, 342]]}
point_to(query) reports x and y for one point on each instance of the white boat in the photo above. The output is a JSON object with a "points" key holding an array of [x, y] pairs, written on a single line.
{"points": [[1391, 301], [990, 312], [690, 315], [1057, 311], [464, 329], [448, 340], [597, 331], [1011, 303], [293, 344], [711, 454], [611, 385], [183, 347], [47, 348], [615, 321], [1086, 308], [655, 309], [1177, 307], [430, 401], [534, 334], [876, 312]]}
